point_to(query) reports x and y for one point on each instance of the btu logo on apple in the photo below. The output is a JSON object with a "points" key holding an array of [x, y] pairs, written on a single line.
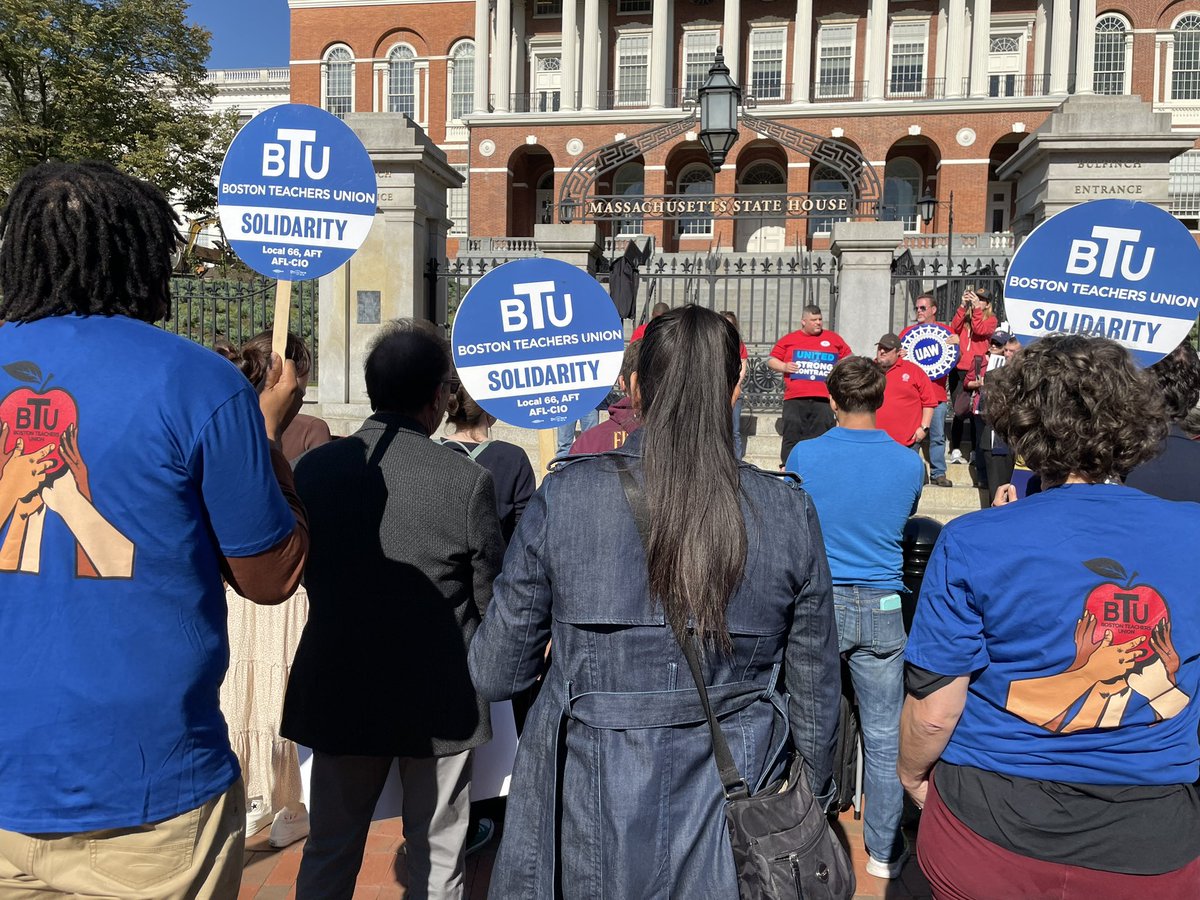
{"points": [[37, 415]]}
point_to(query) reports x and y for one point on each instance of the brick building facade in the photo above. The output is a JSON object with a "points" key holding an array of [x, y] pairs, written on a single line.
{"points": [[931, 98]]}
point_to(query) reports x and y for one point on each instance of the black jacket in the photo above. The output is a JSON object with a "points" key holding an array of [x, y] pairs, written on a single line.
{"points": [[405, 546]]}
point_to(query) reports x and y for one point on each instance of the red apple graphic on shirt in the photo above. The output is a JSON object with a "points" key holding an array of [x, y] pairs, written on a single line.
{"points": [[1126, 609], [37, 415]]}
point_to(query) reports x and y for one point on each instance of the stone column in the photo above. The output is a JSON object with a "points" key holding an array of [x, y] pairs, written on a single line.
{"points": [[591, 53], [877, 38], [981, 40], [569, 76], [1085, 48], [802, 52], [502, 57], [1060, 46], [862, 312], [483, 32], [731, 39], [956, 17], [661, 53], [385, 279]]}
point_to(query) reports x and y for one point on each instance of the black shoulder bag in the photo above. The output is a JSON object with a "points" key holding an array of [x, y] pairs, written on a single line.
{"points": [[782, 844]]}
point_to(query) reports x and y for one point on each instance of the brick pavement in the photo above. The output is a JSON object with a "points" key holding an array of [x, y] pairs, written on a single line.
{"points": [[271, 874]]}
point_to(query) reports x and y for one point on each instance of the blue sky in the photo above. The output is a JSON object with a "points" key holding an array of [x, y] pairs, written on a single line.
{"points": [[246, 34]]}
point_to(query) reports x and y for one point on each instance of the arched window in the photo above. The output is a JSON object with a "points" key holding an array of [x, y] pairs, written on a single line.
{"points": [[339, 81], [401, 87], [828, 180], [1185, 60], [762, 173], [1111, 59], [462, 79], [630, 182], [901, 189], [696, 180]]}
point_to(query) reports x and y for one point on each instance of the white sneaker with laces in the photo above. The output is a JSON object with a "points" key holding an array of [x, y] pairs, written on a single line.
{"points": [[258, 816], [957, 458], [289, 826], [881, 869]]}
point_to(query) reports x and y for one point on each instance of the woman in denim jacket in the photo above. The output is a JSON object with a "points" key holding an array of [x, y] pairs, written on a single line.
{"points": [[615, 793]]}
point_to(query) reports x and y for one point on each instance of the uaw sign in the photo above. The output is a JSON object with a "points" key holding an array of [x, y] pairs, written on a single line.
{"points": [[931, 347], [537, 343], [297, 192], [1119, 269], [718, 206]]}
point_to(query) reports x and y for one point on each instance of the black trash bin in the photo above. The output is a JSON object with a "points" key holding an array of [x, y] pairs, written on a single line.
{"points": [[920, 534]]}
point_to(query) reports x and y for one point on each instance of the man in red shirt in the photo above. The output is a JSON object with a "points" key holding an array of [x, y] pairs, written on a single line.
{"points": [[908, 400], [657, 310], [805, 358], [926, 310]]}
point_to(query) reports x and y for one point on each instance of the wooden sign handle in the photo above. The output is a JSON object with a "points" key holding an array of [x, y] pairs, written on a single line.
{"points": [[283, 314]]}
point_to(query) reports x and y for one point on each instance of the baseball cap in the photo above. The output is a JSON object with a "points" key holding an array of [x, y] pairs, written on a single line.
{"points": [[1000, 338], [888, 342]]}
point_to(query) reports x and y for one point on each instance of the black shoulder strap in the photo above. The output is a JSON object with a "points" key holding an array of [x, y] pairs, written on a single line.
{"points": [[731, 780]]}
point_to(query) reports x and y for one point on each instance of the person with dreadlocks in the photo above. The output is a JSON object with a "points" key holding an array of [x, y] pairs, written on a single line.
{"points": [[136, 468]]}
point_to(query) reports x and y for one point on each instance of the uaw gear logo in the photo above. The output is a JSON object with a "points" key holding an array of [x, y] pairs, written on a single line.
{"points": [[929, 346]]}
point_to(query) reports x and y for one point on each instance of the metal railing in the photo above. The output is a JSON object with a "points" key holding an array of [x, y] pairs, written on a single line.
{"points": [[901, 88], [537, 101], [838, 91], [205, 309], [912, 277], [1001, 86]]}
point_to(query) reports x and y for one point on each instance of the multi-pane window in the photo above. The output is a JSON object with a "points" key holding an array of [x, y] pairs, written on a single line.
{"points": [[699, 51], [696, 181], [835, 60], [1185, 66], [901, 188], [633, 69], [547, 8], [1183, 188], [339, 81], [630, 184], [635, 6], [827, 180], [1004, 65], [1109, 65], [766, 63], [462, 84], [907, 75], [456, 203], [402, 93]]}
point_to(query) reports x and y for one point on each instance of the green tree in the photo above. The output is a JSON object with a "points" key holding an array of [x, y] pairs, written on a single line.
{"points": [[116, 80]]}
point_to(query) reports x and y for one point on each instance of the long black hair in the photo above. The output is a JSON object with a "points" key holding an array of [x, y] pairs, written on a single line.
{"points": [[687, 370], [85, 238]]}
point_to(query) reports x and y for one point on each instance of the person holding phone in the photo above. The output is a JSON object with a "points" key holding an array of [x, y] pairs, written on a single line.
{"points": [[973, 323]]}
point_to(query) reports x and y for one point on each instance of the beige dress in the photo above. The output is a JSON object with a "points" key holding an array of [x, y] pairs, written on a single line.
{"points": [[262, 644]]}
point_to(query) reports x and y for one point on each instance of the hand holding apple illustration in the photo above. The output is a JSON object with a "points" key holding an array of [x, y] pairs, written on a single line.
{"points": [[21, 473], [37, 416]]}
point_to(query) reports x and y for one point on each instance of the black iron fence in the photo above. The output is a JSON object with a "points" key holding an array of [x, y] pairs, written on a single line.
{"points": [[204, 309], [767, 294], [946, 282]]}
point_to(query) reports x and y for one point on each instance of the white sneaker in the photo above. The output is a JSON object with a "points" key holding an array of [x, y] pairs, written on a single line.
{"points": [[290, 826], [258, 816], [957, 458], [881, 869]]}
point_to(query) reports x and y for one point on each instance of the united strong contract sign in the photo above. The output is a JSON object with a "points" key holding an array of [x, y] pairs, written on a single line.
{"points": [[537, 343], [297, 193], [1108, 268]]}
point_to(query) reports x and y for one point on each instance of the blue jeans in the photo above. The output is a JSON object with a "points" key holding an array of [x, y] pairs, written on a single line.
{"points": [[566, 431], [739, 448], [872, 639], [937, 440]]}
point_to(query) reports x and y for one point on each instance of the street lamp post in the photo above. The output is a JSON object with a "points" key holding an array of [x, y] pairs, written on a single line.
{"points": [[927, 205], [718, 99]]}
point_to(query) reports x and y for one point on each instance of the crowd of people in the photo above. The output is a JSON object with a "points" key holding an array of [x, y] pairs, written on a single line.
{"points": [[1041, 712]]}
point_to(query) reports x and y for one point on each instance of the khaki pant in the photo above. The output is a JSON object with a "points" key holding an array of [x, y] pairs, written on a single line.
{"points": [[197, 854]]}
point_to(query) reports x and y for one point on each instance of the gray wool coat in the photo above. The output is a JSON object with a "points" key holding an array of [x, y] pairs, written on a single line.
{"points": [[405, 544]]}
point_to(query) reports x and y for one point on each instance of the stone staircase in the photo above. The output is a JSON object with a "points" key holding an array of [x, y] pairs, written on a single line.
{"points": [[762, 450]]}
